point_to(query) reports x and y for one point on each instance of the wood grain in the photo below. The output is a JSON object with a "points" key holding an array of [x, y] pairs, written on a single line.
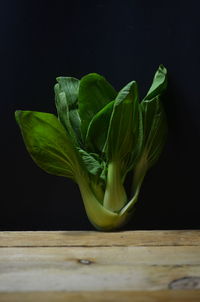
{"points": [[93, 238], [102, 268], [93, 266], [111, 296]]}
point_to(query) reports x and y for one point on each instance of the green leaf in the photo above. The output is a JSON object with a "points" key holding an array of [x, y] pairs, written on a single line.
{"points": [[123, 133], [155, 129], [66, 97], [91, 161], [76, 124], [48, 144], [98, 137], [159, 83], [63, 111], [70, 86], [98, 128], [94, 93]]}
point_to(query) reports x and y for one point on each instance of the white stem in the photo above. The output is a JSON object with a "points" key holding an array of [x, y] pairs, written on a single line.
{"points": [[115, 196]]}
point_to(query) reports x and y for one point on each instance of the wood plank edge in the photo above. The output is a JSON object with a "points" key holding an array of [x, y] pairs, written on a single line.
{"points": [[93, 296], [96, 239]]}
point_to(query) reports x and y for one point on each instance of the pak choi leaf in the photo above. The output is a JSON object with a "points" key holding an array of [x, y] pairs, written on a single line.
{"points": [[48, 143], [94, 93], [98, 137], [66, 99]]}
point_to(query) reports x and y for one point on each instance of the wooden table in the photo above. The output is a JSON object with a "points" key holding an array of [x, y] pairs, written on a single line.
{"points": [[143, 266]]}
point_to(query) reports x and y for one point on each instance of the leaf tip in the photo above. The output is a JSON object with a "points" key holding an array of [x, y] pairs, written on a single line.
{"points": [[58, 78], [92, 77], [162, 69]]}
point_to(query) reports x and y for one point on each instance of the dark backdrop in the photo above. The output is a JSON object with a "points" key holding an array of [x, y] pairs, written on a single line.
{"points": [[122, 40]]}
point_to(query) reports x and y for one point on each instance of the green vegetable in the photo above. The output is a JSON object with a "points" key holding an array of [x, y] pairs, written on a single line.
{"points": [[98, 137]]}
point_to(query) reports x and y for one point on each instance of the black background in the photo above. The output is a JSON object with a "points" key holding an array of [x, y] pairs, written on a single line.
{"points": [[122, 40]]}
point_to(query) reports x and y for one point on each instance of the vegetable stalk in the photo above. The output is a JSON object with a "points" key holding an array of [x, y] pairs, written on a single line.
{"points": [[99, 136], [115, 195]]}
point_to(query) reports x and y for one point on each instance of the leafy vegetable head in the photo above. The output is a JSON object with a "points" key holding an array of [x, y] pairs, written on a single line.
{"points": [[97, 137]]}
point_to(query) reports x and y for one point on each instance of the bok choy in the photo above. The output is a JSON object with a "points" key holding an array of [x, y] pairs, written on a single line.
{"points": [[98, 137]]}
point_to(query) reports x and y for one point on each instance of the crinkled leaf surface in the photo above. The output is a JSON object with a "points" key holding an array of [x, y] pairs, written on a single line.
{"points": [[94, 93], [66, 97], [70, 86], [92, 162], [48, 143], [63, 112]]}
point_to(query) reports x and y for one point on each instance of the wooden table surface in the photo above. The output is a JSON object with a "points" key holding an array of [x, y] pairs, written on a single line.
{"points": [[139, 266]]}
